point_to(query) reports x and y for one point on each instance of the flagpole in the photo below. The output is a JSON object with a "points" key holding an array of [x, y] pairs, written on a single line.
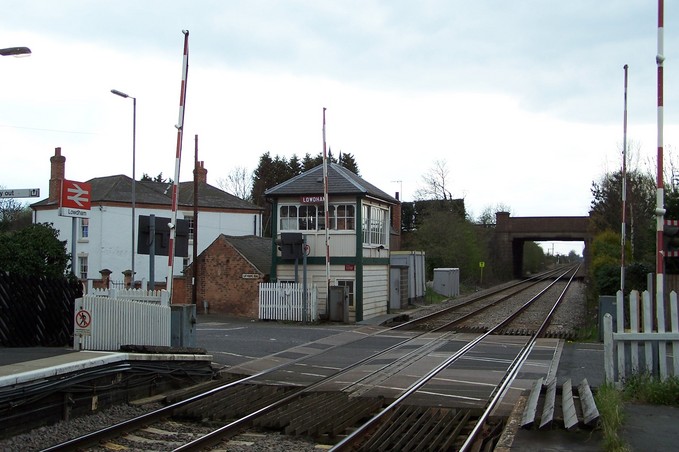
{"points": [[327, 214], [624, 190]]}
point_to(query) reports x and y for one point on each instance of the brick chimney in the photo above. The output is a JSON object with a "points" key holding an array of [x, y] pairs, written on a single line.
{"points": [[200, 173], [58, 170]]}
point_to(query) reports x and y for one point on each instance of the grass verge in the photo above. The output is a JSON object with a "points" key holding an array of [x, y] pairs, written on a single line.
{"points": [[609, 401], [642, 388]]}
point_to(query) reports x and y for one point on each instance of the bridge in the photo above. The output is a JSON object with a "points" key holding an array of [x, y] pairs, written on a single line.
{"points": [[512, 233]]}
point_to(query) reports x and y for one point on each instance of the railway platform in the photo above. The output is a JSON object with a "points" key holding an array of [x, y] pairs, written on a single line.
{"points": [[27, 364]]}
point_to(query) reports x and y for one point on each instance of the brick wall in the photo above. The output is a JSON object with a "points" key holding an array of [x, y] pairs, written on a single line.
{"points": [[221, 283]]}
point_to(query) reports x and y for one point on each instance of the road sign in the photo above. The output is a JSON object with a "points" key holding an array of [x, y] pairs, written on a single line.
{"points": [[83, 323], [75, 199], [20, 193]]}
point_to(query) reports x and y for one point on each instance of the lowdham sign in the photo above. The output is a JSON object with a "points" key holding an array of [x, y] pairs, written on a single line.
{"points": [[312, 199], [20, 193], [75, 199]]}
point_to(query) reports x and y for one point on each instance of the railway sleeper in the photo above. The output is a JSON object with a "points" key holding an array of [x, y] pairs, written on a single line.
{"points": [[422, 428], [320, 414], [232, 402], [337, 422], [282, 416], [560, 407]]}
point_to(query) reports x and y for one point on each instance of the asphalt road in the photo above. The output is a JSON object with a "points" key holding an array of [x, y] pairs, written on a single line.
{"points": [[233, 341]]}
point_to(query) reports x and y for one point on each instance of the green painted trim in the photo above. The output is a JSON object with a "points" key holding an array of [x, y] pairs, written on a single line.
{"points": [[376, 261], [333, 261], [358, 295], [274, 232]]}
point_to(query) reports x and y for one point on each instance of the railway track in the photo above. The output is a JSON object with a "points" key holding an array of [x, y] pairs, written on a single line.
{"points": [[478, 438], [324, 396], [481, 313]]}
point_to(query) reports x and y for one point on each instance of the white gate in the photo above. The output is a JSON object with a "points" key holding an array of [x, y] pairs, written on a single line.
{"points": [[285, 301], [106, 323], [641, 347]]}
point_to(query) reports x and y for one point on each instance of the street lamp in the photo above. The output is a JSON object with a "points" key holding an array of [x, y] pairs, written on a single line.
{"points": [[134, 151], [16, 51]]}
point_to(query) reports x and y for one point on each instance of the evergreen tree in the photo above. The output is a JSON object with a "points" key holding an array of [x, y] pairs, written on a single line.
{"points": [[295, 165], [348, 161], [34, 251], [158, 178]]}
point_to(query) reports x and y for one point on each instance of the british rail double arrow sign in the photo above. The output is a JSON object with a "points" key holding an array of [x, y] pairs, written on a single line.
{"points": [[75, 199]]}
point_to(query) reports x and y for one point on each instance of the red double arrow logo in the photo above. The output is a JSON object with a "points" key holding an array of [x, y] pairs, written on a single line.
{"points": [[76, 195]]}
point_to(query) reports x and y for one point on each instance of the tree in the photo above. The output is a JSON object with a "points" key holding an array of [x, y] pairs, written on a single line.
{"points": [[533, 257], [269, 173], [449, 240], [158, 178], [436, 183], [606, 210], [13, 215], [347, 161], [312, 162], [34, 251], [238, 182], [605, 266], [487, 217]]}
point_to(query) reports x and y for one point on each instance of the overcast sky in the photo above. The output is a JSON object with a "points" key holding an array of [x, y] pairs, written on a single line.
{"points": [[523, 100]]}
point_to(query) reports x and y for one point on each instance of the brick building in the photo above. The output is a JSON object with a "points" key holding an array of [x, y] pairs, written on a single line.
{"points": [[228, 275]]}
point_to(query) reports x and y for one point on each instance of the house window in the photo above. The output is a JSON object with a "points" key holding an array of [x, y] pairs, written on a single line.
{"points": [[350, 284], [84, 228], [343, 217], [185, 263], [288, 218], [307, 218], [82, 267], [191, 224], [312, 218], [375, 226]]}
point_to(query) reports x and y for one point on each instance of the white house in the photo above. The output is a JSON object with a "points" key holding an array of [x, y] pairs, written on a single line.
{"points": [[360, 236], [104, 240]]}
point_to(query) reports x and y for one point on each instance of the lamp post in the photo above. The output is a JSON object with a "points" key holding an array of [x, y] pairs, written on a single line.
{"points": [[15, 51], [134, 151]]}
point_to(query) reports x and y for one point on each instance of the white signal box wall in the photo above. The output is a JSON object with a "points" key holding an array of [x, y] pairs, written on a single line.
{"points": [[447, 281]]}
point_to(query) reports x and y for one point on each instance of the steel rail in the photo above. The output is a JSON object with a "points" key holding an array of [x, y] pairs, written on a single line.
{"points": [[130, 424], [353, 438], [217, 435], [514, 368], [537, 279]]}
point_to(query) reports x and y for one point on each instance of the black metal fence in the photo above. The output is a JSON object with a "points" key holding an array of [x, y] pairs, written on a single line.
{"points": [[36, 311]]}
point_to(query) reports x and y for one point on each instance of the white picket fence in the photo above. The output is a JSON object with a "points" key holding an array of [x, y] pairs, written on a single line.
{"points": [[285, 301], [124, 317], [641, 348], [149, 296]]}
